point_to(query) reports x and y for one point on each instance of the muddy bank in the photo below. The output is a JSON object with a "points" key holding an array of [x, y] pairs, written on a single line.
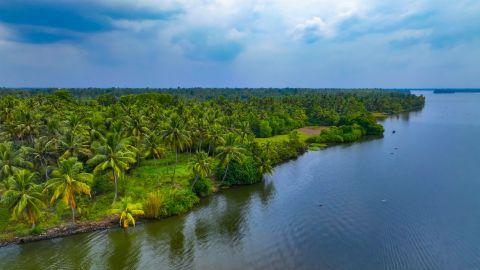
{"points": [[64, 230]]}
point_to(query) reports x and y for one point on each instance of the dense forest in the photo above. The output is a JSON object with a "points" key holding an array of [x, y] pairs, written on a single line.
{"points": [[77, 155]]}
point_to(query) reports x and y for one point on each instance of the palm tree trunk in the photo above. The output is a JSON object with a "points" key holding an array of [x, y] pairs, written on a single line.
{"points": [[176, 161], [194, 181], [73, 214], [225, 174], [115, 180], [44, 164]]}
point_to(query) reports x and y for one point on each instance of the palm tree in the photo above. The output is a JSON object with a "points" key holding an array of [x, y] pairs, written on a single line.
{"points": [[137, 129], [230, 151], [73, 144], [27, 126], [42, 152], [245, 130], [201, 166], [11, 159], [152, 147], [67, 181], [215, 137], [127, 212], [23, 197], [114, 154], [176, 136]]}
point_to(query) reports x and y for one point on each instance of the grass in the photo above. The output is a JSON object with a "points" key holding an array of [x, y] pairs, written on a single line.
{"points": [[379, 115], [149, 176], [304, 133]]}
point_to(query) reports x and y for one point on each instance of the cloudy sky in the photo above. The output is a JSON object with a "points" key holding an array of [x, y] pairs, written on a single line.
{"points": [[245, 43]]}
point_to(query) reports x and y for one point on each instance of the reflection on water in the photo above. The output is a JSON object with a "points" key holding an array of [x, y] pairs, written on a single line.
{"points": [[407, 201]]}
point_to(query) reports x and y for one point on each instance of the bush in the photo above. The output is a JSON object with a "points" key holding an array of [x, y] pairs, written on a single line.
{"points": [[203, 187], [178, 201], [153, 205], [242, 173], [342, 134], [101, 185]]}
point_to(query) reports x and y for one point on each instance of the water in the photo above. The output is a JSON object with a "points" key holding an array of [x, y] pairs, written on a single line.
{"points": [[408, 201]]}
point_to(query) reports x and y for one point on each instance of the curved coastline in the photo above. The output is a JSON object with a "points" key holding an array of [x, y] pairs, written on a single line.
{"points": [[111, 221]]}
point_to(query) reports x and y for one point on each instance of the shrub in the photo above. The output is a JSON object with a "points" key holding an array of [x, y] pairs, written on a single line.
{"points": [[101, 185], [242, 173], [203, 187], [153, 205], [178, 201]]}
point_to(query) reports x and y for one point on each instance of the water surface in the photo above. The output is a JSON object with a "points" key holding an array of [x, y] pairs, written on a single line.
{"points": [[408, 201]]}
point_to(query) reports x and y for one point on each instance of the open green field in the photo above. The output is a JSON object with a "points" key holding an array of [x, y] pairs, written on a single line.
{"points": [[304, 133]]}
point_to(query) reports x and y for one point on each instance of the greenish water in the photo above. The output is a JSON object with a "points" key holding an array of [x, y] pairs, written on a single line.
{"points": [[408, 201]]}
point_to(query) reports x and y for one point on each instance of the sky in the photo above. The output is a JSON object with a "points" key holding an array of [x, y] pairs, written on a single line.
{"points": [[240, 43]]}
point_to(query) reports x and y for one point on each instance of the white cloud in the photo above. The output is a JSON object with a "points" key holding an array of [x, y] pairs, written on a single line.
{"points": [[312, 30]]}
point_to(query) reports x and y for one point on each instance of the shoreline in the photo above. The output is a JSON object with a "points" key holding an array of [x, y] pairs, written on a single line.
{"points": [[112, 221], [91, 226], [63, 231]]}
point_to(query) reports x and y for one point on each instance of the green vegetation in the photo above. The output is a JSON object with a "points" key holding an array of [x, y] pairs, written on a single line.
{"points": [[97, 153]]}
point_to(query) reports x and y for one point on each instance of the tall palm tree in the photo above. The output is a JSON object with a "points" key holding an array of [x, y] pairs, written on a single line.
{"points": [[115, 154], [67, 181], [152, 146], [176, 136], [41, 153], [215, 137], [27, 126], [137, 129], [245, 130], [230, 151], [11, 159], [73, 144], [23, 197], [201, 166], [127, 212]]}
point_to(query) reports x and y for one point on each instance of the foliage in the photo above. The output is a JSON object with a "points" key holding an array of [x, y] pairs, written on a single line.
{"points": [[143, 140], [23, 196], [178, 202], [67, 181], [127, 212], [153, 205], [244, 172], [203, 187]]}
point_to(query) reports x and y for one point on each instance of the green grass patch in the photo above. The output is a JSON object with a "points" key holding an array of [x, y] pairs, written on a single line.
{"points": [[303, 133], [379, 115]]}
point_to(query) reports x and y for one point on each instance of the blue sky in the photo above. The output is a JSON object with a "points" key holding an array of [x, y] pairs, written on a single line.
{"points": [[240, 43]]}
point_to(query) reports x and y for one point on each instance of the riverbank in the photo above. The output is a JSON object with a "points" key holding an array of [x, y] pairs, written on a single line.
{"points": [[153, 174]]}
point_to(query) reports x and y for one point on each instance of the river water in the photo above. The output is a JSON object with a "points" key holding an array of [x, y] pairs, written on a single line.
{"points": [[408, 201]]}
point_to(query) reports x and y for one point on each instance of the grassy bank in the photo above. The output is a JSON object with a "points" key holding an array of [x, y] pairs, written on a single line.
{"points": [[303, 134]]}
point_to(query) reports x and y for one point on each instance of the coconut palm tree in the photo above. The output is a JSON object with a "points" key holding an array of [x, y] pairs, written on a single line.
{"points": [[245, 130], [215, 137], [23, 197], [11, 159], [73, 144], [41, 153], [113, 154], [127, 212], [201, 166], [67, 181], [176, 136], [230, 151], [152, 146]]}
